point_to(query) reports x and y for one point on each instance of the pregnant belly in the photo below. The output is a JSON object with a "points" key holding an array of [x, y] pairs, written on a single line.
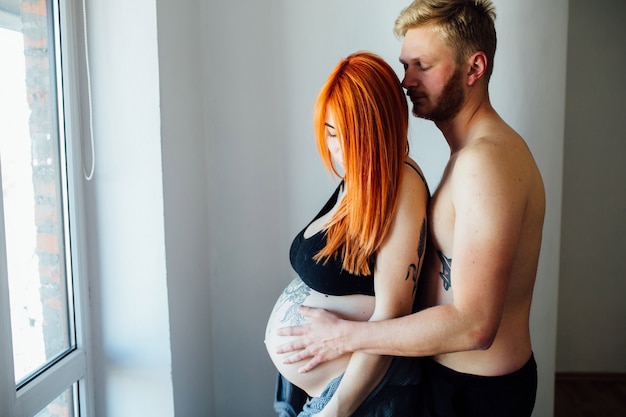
{"points": [[352, 307]]}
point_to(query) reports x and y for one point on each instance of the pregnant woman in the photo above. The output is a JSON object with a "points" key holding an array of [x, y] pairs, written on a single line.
{"points": [[360, 257]]}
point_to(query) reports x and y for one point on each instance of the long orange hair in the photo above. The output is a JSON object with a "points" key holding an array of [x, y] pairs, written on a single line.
{"points": [[371, 117]]}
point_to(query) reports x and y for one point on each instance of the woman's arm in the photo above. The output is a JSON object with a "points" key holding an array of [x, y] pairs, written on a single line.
{"points": [[398, 263]]}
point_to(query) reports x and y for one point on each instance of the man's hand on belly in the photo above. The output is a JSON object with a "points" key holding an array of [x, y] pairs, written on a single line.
{"points": [[319, 340]]}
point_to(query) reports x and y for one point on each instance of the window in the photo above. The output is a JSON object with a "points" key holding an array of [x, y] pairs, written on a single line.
{"points": [[43, 366]]}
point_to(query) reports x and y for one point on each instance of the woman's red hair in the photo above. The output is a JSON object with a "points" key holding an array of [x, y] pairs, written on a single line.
{"points": [[371, 117]]}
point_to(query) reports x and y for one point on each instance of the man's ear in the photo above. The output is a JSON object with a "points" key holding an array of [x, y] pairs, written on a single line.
{"points": [[477, 67]]}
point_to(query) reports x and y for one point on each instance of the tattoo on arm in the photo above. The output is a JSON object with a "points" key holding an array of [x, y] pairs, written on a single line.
{"points": [[445, 274], [421, 247], [412, 273]]}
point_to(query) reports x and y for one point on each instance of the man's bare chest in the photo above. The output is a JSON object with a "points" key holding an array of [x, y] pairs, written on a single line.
{"points": [[436, 279], [441, 217]]}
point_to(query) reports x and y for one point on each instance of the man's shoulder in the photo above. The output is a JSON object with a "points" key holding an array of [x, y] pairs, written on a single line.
{"points": [[495, 144], [478, 155], [498, 166], [489, 130], [492, 154]]}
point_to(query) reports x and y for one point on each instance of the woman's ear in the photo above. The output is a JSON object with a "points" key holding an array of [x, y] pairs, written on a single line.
{"points": [[477, 67]]}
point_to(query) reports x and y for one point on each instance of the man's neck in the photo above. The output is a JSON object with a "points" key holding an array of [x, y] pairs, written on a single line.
{"points": [[458, 130]]}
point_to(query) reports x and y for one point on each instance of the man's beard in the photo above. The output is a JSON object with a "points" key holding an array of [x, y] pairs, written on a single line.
{"points": [[449, 103]]}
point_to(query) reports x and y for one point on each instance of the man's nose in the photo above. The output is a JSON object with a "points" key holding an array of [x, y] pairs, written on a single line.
{"points": [[409, 80]]}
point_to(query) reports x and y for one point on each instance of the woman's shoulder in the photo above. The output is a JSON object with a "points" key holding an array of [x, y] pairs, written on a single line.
{"points": [[413, 176]]}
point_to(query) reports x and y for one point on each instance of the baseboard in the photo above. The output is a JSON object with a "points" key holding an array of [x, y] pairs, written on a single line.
{"points": [[590, 376]]}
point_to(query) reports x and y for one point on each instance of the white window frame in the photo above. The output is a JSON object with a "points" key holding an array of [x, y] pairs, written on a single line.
{"points": [[73, 368]]}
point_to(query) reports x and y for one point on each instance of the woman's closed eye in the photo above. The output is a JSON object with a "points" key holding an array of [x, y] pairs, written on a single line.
{"points": [[330, 131]]}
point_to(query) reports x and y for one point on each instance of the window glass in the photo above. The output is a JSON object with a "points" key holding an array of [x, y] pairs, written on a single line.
{"points": [[62, 406], [33, 191]]}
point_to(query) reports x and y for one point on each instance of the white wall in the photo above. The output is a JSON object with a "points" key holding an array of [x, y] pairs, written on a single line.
{"points": [[206, 159], [124, 215], [592, 312], [185, 199]]}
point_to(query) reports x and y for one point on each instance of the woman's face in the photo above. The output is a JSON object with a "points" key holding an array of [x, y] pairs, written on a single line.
{"points": [[332, 140]]}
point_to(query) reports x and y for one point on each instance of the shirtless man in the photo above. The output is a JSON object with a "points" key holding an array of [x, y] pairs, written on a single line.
{"points": [[485, 226]]}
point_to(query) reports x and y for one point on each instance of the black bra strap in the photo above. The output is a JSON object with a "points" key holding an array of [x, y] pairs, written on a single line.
{"points": [[421, 176]]}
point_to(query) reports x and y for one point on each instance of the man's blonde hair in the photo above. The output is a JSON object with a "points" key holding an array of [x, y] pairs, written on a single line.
{"points": [[467, 26]]}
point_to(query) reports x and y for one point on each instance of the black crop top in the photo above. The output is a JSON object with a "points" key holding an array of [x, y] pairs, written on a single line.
{"points": [[329, 278]]}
